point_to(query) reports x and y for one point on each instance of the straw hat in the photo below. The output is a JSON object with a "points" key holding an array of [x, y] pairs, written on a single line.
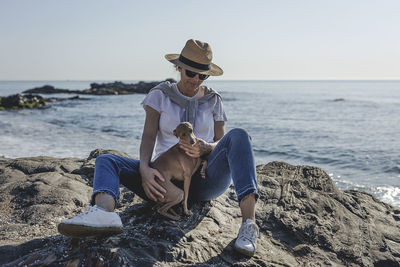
{"points": [[196, 56]]}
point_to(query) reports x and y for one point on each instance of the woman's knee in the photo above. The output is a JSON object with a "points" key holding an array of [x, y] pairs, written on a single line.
{"points": [[104, 159], [239, 134]]}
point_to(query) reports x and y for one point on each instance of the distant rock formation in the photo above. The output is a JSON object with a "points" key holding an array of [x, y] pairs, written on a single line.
{"points": [[304, 220], [18, 101], [115, 88], [15, 102], [31, 99], [49, 89]]}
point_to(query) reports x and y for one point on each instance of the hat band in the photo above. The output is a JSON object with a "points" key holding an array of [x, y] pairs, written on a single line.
{"points": [[194, 64]]}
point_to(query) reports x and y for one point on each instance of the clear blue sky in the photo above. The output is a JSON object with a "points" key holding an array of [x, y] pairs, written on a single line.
{"points": [[127, 40]]}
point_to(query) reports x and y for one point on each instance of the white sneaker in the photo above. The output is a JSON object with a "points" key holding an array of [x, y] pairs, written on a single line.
{"points": [[246, 242], [93, 222]]}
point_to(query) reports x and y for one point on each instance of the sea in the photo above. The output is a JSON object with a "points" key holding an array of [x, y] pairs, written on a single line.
{"points": [[351, 129]]}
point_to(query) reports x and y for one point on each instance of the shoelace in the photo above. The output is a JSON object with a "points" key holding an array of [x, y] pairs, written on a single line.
{"points": [[249, 232]]}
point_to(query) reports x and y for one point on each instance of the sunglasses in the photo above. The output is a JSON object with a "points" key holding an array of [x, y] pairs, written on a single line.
{"points": [[191, 74]]}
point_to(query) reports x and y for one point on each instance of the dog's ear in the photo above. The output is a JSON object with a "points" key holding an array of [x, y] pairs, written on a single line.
{"points": [[175, 133]]}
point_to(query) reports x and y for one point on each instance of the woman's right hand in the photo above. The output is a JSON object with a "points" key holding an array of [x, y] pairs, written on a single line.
{"points": [[152, 189]]}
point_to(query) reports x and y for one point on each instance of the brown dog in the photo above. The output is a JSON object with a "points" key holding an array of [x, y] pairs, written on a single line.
{"points": [[176, 164]]}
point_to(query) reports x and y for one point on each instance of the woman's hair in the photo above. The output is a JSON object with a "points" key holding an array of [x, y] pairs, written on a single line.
{"points": [[178, 76]]}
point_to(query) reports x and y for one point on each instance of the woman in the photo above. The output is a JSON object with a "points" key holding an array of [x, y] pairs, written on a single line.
{"points": [[229, 157]]}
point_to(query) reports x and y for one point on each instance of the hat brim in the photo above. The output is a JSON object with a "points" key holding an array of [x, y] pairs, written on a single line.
{"points": [[213, 71]]}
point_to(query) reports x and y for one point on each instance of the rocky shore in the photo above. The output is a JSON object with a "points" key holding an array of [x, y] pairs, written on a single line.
{"points": [[18, 101], [32, 98], [304, 220], [115, 88]]}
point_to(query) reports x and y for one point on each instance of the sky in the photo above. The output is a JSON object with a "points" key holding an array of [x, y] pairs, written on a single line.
{"points": [[251, 40]]}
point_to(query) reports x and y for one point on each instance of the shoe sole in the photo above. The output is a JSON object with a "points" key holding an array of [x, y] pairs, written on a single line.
{"points": [[79, 231], [244, 252]]}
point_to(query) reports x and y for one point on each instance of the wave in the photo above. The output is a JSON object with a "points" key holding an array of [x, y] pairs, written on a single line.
{"points": [[386, 193], [114, 132], [58, 122], [389, 194], [229, 99], [309, 159], [4, 125], [395, 169]]}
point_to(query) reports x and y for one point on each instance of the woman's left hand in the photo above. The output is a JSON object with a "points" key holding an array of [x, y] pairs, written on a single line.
{"points": [[197, 150]]}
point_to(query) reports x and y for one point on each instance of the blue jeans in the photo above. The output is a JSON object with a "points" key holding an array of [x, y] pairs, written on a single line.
{"points": [[232, 157]]}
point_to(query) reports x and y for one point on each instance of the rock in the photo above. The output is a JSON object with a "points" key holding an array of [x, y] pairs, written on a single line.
{"points": [[304, 219], [57, 99], [48, 89], [115, 88], [31, 99], [18, 101]]}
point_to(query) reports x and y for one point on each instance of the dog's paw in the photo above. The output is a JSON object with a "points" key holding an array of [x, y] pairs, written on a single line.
{"points": [[188, 212]]}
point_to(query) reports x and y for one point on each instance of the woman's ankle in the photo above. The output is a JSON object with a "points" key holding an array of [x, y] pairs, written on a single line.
{"points": [[248, 207], [105, 201]]}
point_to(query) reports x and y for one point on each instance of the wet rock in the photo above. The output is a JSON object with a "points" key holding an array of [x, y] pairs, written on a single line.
{"points": [[14, 102], [58, 99], [304, 220]]}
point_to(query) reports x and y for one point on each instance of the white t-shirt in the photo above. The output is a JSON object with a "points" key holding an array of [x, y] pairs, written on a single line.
{"points": [[170, 114]]}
